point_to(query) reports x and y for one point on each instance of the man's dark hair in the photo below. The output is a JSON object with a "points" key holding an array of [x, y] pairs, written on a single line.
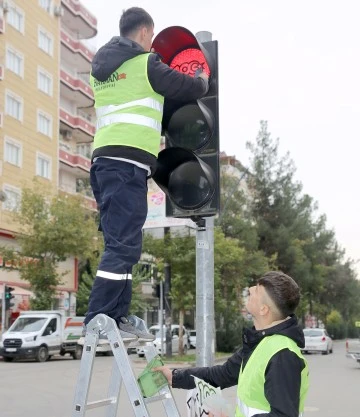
{"points": [[282, 290], [133, 19]]}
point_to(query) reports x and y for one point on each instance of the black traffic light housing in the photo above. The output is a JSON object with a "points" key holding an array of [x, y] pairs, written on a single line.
{"points": [[188, 168], [8, 297]]}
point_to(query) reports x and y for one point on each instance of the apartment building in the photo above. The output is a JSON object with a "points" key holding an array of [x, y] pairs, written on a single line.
{"points": [[46, 113]]}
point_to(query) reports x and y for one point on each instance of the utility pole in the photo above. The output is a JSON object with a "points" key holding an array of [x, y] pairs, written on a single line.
{"points": [[205, 311], [205, 315], [167, 290], [3, 312]]}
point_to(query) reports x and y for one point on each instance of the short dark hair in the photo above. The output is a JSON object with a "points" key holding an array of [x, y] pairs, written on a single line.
{"points": [[133, 19], [283, 291]]}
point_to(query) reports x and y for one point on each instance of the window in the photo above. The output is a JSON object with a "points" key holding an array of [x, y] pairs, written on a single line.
{"points": [[45, 41], [12, 152], [15, 18], [14, 106], [15, 61], [13, 198], [43, 166], [44, 123], [84, 149], [45, 4], [44, 81]]}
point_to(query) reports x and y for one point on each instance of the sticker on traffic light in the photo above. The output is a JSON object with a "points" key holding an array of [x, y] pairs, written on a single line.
{"points": [[188, 168]]}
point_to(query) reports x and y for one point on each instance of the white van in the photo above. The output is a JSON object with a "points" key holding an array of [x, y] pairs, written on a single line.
{"points": [[155, 330], [39, 335]]}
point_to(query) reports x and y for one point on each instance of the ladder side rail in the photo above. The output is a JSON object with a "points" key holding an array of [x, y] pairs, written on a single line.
{"points": [[168, 401], [85, 374], [124, 366], [114, 390]]}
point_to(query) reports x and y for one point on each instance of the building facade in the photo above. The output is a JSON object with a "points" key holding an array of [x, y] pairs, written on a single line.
{"points": [[46, 113]]}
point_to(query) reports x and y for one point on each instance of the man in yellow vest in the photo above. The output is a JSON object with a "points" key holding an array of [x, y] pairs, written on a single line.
{"points": [[129, 84], [270, 372]]}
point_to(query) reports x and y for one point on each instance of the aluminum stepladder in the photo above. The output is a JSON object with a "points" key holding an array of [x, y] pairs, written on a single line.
{"points": [[121, 372]]}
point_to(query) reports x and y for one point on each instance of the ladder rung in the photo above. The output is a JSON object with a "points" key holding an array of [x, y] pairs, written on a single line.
{"points": [[100, 403], [157, 398]]}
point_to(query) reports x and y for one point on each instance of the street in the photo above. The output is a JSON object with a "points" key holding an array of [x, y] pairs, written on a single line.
{"points": [[31, 389]]}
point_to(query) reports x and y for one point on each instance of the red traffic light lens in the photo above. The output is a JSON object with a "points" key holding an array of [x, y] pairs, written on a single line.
{"points": [[188, 61]]}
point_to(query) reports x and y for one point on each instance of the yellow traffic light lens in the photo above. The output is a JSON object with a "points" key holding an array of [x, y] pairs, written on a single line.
{"points": [[189, 128]]}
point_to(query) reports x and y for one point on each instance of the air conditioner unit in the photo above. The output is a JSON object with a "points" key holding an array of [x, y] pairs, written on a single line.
{"points": [[67, 135], [3, 196], [58, 11]]}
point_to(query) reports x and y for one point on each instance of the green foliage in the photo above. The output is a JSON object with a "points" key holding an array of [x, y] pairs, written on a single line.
{"points": [[289, 230], [229, 336], [137, 301], [53, 227]]}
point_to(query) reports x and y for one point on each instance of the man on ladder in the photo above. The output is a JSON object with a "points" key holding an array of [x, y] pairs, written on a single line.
{"points": [[129, 84]]}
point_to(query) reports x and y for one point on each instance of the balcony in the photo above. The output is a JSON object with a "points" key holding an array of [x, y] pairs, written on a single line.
{"points": [[75, 89], [75, 52], [78, 19], [84, 130], [79, 163], [89, 200]]}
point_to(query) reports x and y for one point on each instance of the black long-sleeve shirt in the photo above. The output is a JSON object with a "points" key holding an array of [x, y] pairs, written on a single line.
{"points": [[282, 376]]}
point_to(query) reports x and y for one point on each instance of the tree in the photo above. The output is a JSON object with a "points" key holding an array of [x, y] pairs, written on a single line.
{"points": [[180, 252], [290, 231], [52, 228]]}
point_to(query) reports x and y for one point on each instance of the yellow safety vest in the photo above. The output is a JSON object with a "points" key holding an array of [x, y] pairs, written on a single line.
{"points": [[129, 112], [251, 398]]}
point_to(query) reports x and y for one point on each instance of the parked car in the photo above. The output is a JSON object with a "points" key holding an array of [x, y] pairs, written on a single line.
{"points": [[317, 340], [155, 330], [192, 338]]}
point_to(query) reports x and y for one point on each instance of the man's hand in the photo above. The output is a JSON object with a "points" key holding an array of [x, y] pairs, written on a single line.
{"points": [[166, 371], [204, 76]]}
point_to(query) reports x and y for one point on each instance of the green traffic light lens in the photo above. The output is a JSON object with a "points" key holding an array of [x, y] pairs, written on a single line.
{"points": [[189, 128], [190, 187]]}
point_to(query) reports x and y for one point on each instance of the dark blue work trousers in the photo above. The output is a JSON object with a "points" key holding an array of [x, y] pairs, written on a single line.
{"points": [[120, 190]]}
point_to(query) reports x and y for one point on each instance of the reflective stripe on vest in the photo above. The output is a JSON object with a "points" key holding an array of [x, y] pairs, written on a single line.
{"points": [[146, 102], [250, 411], [134, 119]]}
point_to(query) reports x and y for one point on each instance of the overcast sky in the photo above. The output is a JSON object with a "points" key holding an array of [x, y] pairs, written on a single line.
{"points": [[295, 64]]}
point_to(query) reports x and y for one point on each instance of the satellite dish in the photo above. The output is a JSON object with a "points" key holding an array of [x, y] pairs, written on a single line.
{"points": [[3, 196]]}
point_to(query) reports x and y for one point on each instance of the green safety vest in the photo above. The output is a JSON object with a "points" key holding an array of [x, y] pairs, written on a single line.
{"points": [[128, 110], [251, 398]]}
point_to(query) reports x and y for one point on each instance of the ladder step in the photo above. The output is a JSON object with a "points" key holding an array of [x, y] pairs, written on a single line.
{"points": [[100, 403], [157, 398]]}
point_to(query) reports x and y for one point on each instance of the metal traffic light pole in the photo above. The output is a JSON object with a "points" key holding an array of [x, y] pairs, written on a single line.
{"points": [[205, 312], [3, 310]]}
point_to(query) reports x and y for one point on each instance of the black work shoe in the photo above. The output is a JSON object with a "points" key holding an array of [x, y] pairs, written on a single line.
{"points": [[137, 327]]}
